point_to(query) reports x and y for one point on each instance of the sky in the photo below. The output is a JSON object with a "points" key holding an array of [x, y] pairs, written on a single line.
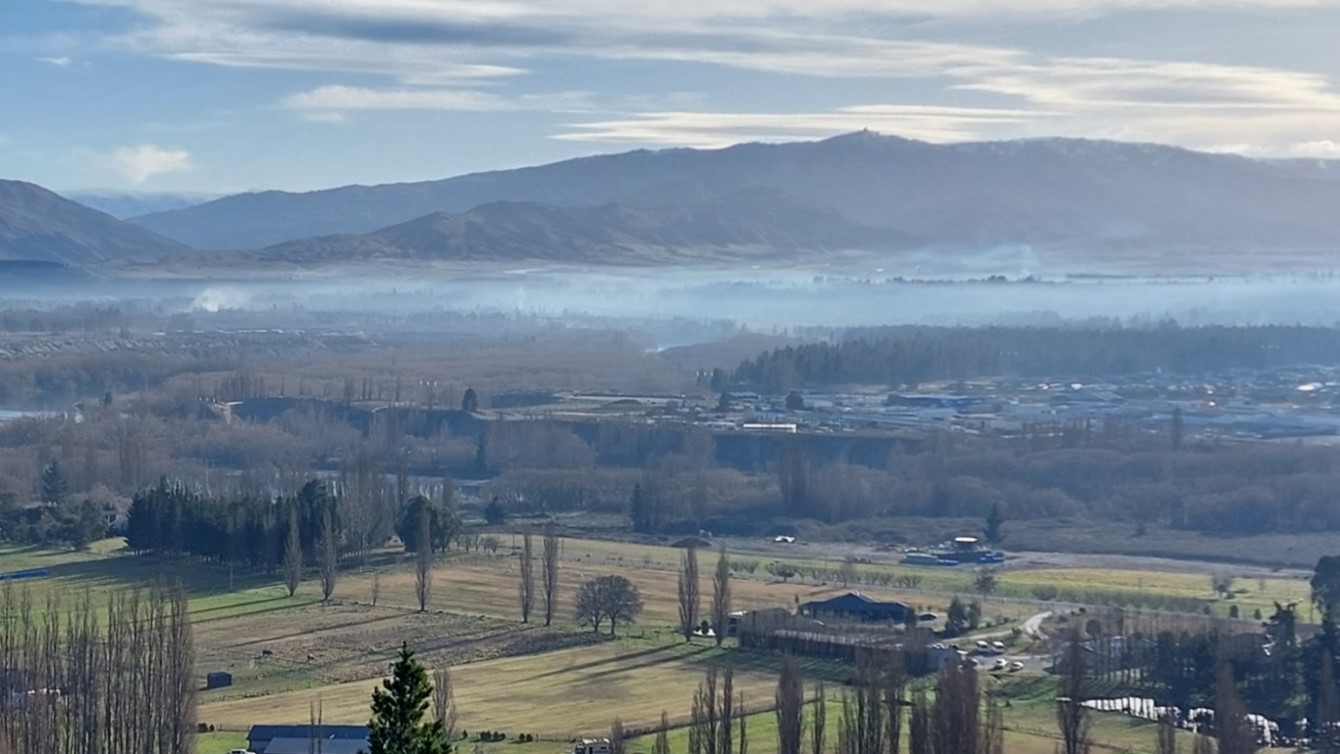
{"points": [[222, 96]]}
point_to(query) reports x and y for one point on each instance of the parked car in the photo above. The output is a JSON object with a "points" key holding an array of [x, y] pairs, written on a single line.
{"points": [[998, 646], [1016, 666], [928, 617], [1000, 664]]}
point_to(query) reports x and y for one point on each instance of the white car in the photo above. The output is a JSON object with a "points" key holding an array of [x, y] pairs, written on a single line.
{"points": [[1016, 666], [1000, 664]]}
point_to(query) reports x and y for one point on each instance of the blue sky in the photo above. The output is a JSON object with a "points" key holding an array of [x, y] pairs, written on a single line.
{"points": [[230, 95]]}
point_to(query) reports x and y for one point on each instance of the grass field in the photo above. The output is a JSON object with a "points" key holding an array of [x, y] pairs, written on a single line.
{"points": [[555, 694]]}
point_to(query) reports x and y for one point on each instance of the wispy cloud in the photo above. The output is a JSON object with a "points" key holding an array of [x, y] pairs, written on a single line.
{"points": [[61, 61], [337, 98], [140, 163]]}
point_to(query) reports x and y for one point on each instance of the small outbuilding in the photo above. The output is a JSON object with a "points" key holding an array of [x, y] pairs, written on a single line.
{"points": [[219, 679]]}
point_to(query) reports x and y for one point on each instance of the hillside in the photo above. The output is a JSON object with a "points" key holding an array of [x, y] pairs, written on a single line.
{"points": [[745, 223], [123, 204], [36, 224], [1049, 192]]}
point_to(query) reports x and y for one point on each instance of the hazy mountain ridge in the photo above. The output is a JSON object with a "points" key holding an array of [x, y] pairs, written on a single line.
{"points": [[1049, 192], [40, 225], [758, 222], [125, 204]]}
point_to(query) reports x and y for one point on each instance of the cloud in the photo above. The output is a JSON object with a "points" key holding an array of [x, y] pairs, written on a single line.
{"points": [[338, 98], [60, 61], [719, 129], [140, 163]]}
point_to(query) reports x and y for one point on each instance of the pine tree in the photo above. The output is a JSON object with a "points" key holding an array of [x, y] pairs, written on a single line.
{"points": [[54, 485], [992, 531], [398, 710]]}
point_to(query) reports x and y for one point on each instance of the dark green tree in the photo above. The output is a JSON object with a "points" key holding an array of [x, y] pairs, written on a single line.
{"points": [[54, 485], [495, 513], [639, 511], [1326, 583], [442, 523], [994, 521], [399, 708], [795, 401], [470, 401]]}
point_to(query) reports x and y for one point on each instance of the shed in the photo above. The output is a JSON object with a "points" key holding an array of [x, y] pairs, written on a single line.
{"points": [[219, 679], [321, 746]]}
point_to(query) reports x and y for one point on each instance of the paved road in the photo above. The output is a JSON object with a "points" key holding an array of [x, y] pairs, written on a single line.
{"points": [[1033, 626]]}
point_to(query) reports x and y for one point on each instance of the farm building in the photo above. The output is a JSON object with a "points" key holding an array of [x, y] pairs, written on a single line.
{"points": [[854, 606], [299, 739]]}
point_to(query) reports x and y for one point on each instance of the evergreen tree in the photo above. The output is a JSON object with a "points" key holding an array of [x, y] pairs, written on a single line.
{"points": [[399, 708], [639, 510], [994, 520], [54, 485]]}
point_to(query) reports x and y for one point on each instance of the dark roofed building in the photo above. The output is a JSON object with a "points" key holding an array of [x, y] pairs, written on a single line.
{"points": [[856, 607], [281, 739], [324, 746]]}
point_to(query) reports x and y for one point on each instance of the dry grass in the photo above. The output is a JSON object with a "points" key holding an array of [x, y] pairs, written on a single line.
{"points": [[556, 694]]}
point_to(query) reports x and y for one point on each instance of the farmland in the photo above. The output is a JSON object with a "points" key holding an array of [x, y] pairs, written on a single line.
{"points": [[288, 653]]}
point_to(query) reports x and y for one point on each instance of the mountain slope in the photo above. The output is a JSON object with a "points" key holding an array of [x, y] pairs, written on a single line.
{"points": [[746, 223], [36, 224], [123, 204], [1047, 192]]}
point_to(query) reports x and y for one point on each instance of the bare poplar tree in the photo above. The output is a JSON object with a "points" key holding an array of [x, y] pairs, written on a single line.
{"points": [[376, 587], [444, 703], [1072, 717], [526, 588], [292, 554], [895, 683], [704, 731], [1231, 726], [689, 602], [1167, 737], [618, 738], [726, 715], [993, 731], [316, 740], [550, 576], [662, 743], [744, 727], [919, 727], [330, 554], [721, 595], [423, 560], [817, 729], [790, 708]]}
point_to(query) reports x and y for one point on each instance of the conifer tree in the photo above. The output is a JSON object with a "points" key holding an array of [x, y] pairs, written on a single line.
{"points": [[399, 708]]}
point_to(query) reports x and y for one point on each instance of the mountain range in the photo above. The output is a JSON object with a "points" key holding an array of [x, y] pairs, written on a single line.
{"points": [[39, 225], [1099, 200], [1068, 193]]}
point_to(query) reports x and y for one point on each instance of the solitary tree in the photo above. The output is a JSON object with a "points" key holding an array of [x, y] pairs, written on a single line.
{"points": [[470, 401], [688, 592], [423, 562], [817, 732], [721, 595], [54, 485], [1072, 717], [292, 554], [398, 709], [994, 521], [612, 598], [986, 581], [444, 703], [550, 575], [330, 555], [847, 571], [526, 589]]}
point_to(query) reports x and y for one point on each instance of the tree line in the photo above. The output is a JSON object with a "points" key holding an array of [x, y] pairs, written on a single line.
{"points": [[93, 678], [910, 355]]}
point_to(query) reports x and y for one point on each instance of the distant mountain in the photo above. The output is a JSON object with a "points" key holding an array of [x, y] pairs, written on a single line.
{"points": [[124, 204], [750, 223], [39, 225], [1090, 195]]}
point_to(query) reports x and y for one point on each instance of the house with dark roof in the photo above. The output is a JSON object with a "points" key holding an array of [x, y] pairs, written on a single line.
{"points": [[854, 606], [299, 739]]}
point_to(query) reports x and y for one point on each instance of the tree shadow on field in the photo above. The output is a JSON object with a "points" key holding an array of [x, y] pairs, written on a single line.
{"points": [[622, 661]]}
